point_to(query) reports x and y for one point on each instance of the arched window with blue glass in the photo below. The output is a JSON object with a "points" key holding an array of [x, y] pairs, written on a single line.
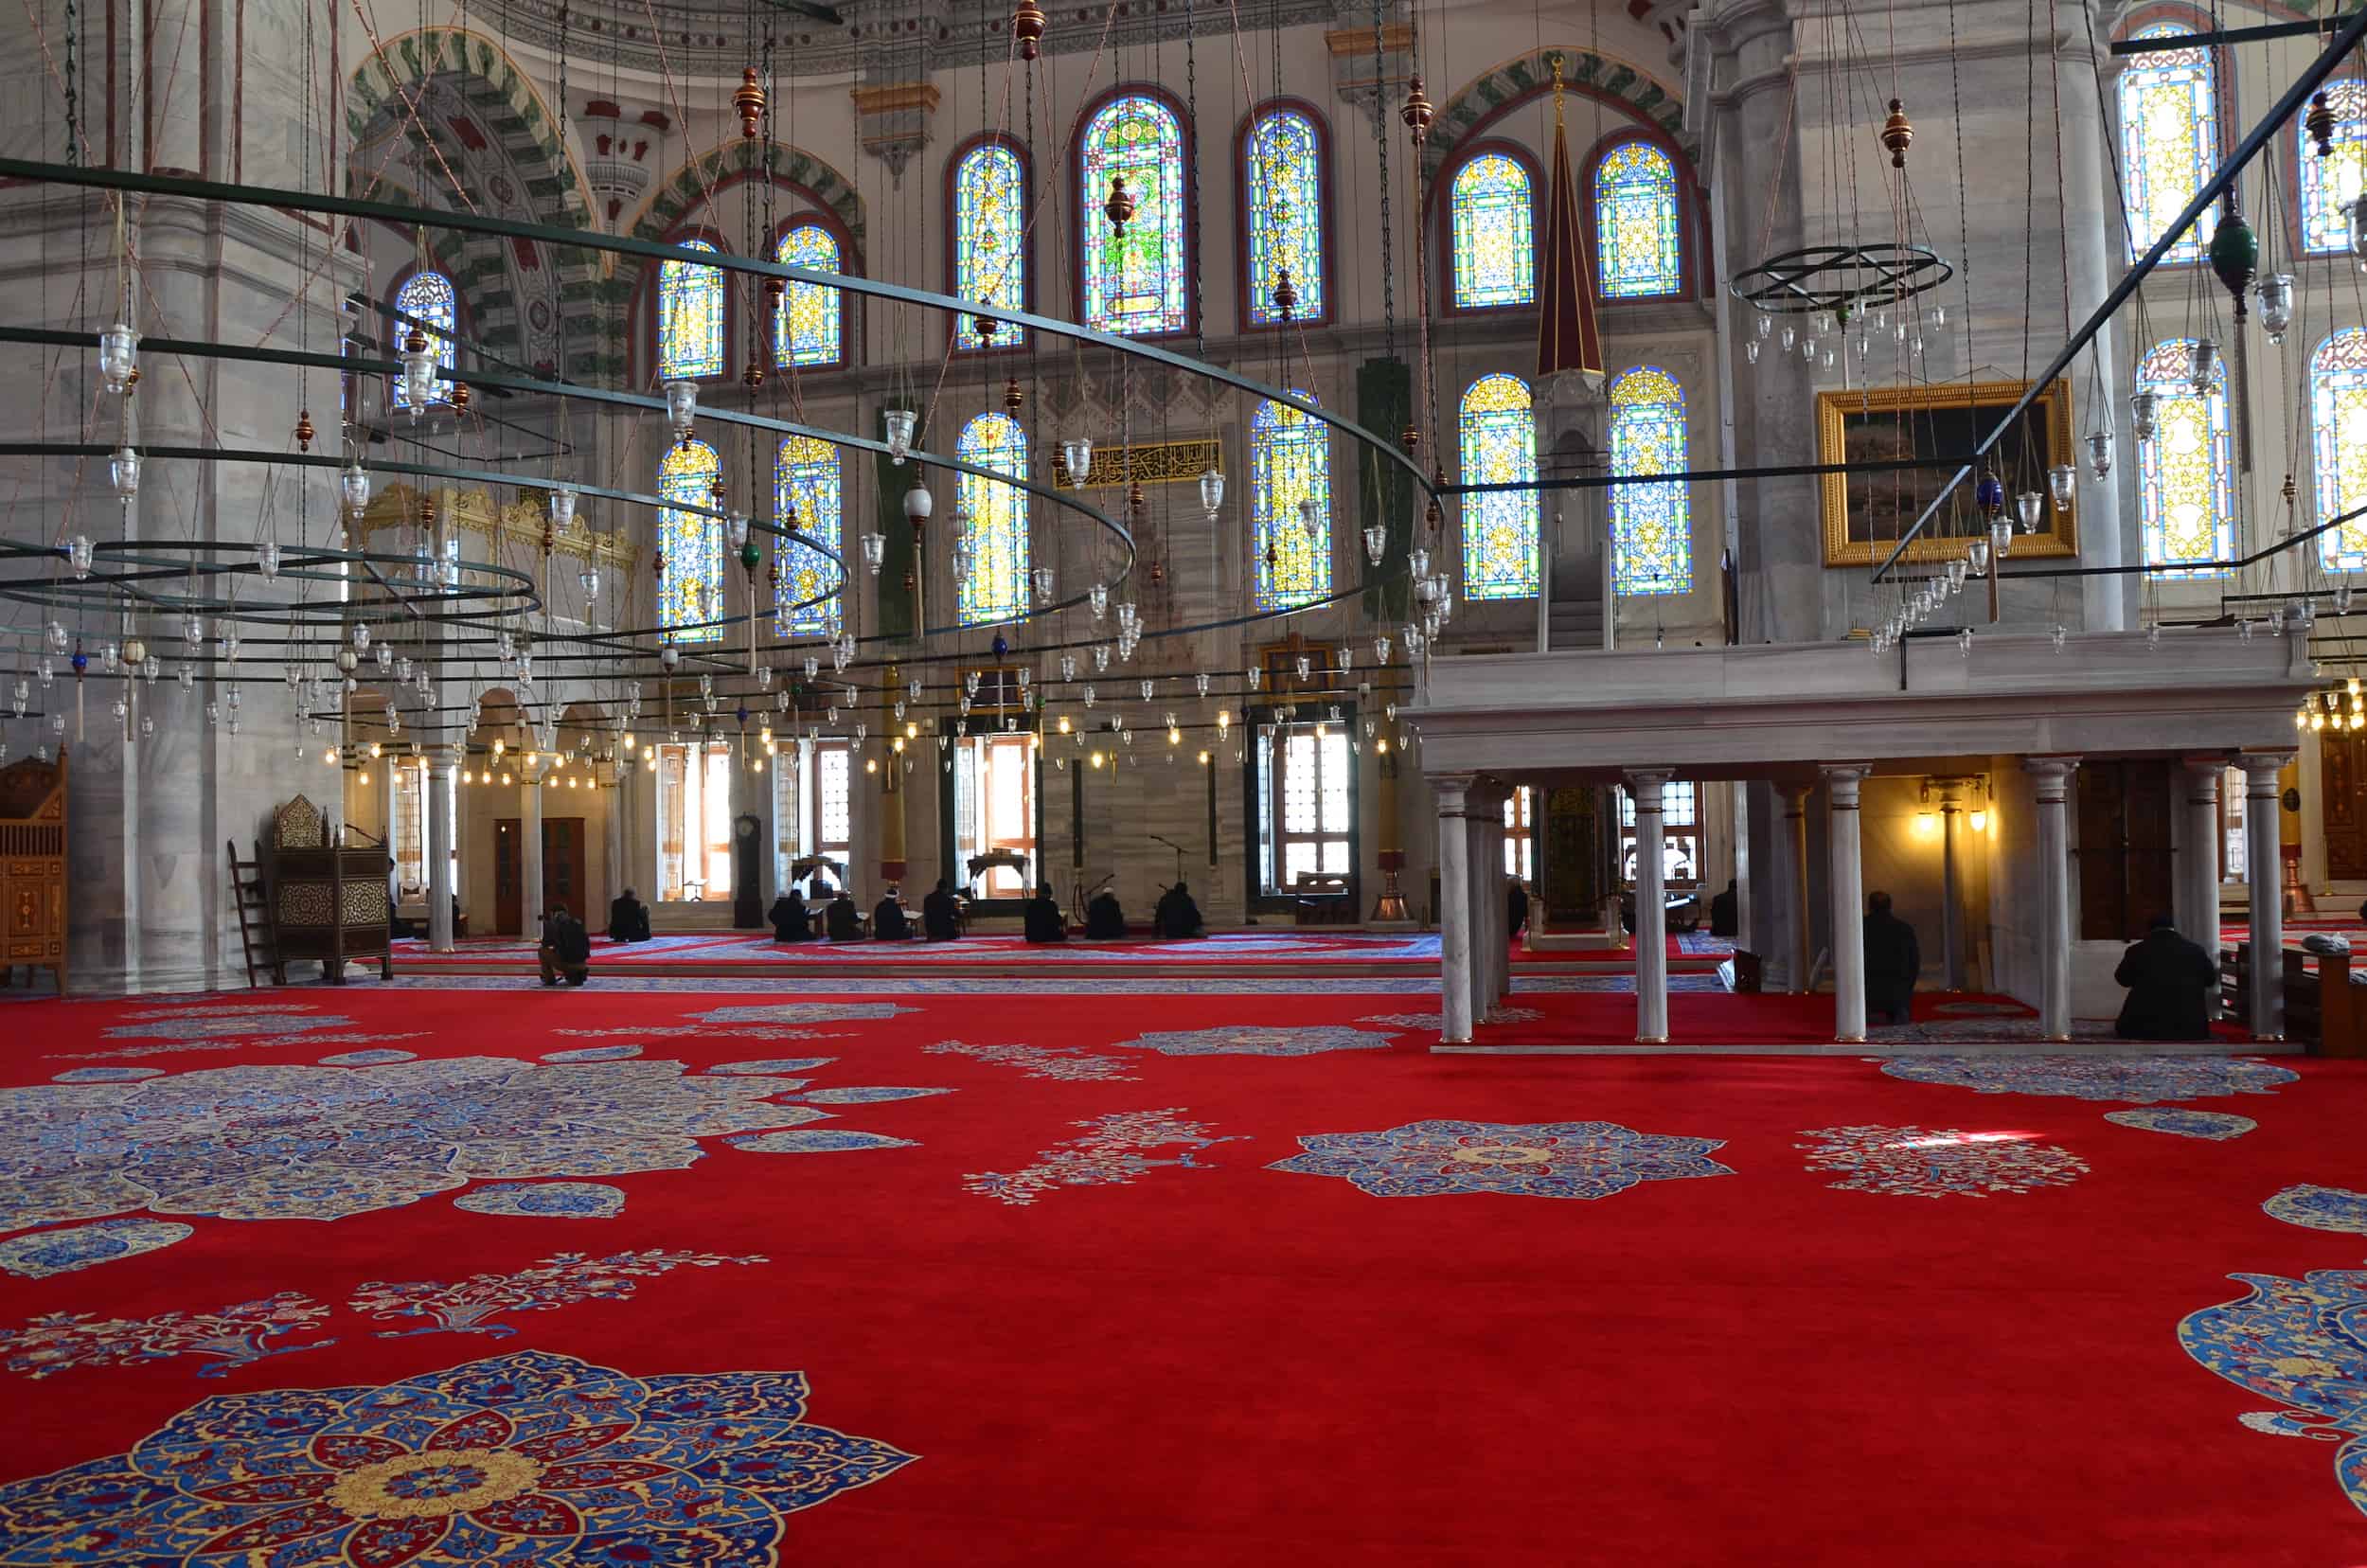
{"points": [[2169, 111], [1290, 503], [992, 518], [2185, 486], [1651, 525], [807, 495], [690, 544], [689, 317], [989, 239], [2329, 186], [1283, 187], [1639, 244], [429, 298], [1492, 232], [2338, 417], [1499, 443], [1134, 278], [808, 325]]}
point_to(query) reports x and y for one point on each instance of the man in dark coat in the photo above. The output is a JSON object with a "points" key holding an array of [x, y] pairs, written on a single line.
{"points": [[566, 949], [791, 922], [1176, 916], [1045, 923], [843, 919], [1104, 920], [940, 916], [1893, 961], [2168, 979], [1516, 905], [887, 919], [1726, 912], [627, 920]]}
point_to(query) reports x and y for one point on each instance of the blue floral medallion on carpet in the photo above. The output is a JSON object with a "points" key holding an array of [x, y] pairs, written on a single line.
{"points": [[1545, 1160], [2302, 1343], [545, 1200], [1256, 1040], [56, 1251], [2319, 1208], [518, 1459], [2216, 1126], [2098, 1077], [1937, 1161]]}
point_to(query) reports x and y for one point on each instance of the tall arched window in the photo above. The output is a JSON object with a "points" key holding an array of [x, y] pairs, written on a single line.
{"points": [[1651, 525], [690, 544], [429, 297], [2185, 494], [1282, 186], [2170, 139], [1494, 225], [2330, 185], [806, 327], [689, 318], [1138, 279], [989, 239], [1499, 526], [805, 494], [995, 587], [1289, 465], [2338, 418], [1638, 244]]}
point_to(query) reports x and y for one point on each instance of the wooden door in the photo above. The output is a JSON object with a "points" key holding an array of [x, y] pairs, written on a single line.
{"points": [[2125, 858], [508, 917], [2343, 801], [562, 869]]}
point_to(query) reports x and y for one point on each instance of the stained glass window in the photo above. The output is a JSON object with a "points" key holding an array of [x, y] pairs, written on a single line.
{"points": [[1135, 280], [805, 488], [995, 588], [2330, 185], [989, 238], [1651, 525], [1499, 526], [1495, 245], [806, 327], [1283, 185], [1636, 236], [429, 297], [2337, 410], [2170, 139], [2186, 501], [1289, 461], [689, 318], [689, 544]]}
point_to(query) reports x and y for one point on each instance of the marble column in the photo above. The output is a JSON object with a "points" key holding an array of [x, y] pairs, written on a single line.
{"points": [[1841, 784], [2198, 853], [1795, 883], [1651, 908], [2050, 779], [1952, 885], [1480, 806], [530, 853], [1455, 907], [2264, 868], [438, 803]]}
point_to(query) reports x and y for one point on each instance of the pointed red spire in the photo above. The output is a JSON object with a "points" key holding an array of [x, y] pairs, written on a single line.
{"points": [[1567, 337]]}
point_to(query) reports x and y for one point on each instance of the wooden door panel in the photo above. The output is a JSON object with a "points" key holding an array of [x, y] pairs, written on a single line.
{"points": [[563, 868], [508, 914]]}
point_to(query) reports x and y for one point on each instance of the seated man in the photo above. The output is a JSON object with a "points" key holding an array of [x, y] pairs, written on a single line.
{"points": [[791, 922], [844, 920], [566, 949], [1516, 905], [1176, 916], [1045, 923], [2169, 979], [627, 920], [940, 915], [1104, 920], [1726, 912], [1893, 961], [887, 919]]}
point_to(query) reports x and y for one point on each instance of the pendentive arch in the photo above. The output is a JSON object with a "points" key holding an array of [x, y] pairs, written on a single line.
{"points": [[1499, 90]]}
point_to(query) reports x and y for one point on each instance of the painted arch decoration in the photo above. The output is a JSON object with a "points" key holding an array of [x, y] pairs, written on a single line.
{"points": [[1605, 78]]}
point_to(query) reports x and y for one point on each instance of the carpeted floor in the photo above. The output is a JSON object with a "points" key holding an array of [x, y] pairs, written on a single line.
{"points": [[1046, 1279]]}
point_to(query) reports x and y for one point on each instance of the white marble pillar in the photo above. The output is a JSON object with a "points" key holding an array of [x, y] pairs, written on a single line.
{"points": [[2198, 853], [1651, 908], [438, 803], [1795, 883], [530, 853], [1952, 885], [1454, 908], [1841, 785], [2050, 779], [2264, 865]]}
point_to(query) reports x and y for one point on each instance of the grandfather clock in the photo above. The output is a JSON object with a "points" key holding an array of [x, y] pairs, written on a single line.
{"points": [[747, 873]]}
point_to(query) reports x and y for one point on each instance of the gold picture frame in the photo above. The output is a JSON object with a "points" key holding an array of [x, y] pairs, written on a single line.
{"points": [[1865, 513]]}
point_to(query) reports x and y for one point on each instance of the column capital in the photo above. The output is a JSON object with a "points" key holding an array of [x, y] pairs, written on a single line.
{"points": [[1646, 785], [1795, 793], [1453, 792], [1841, 781], [2260, 772], [2051, 775], [2202, 778]]}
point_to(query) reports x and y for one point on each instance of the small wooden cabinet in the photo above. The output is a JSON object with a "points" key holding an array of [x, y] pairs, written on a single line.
{"points": [[32, 866]]}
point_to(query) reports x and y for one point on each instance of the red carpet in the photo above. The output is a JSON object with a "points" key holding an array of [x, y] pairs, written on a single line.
{"points": [[1201, 1361]]}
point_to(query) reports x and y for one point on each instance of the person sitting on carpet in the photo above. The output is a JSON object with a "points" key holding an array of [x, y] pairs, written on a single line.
{"points": [[1893, 961], [1045, 923], [1516, 905], [566, 948], [2169, 979], [843, 919], [627, 920], [1104, 920], [1176, 916], [1726, 912], [940, 916], [791, 922], [888, 923]]}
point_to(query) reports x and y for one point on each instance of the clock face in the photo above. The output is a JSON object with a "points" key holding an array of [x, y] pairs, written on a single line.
{"points": [[747, 829]]}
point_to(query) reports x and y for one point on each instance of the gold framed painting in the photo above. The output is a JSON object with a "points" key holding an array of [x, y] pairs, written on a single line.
{"points": [[1864, 514]]}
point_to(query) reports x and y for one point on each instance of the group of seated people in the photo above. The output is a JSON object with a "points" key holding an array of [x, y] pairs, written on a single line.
{"points": [[793, 917]]}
